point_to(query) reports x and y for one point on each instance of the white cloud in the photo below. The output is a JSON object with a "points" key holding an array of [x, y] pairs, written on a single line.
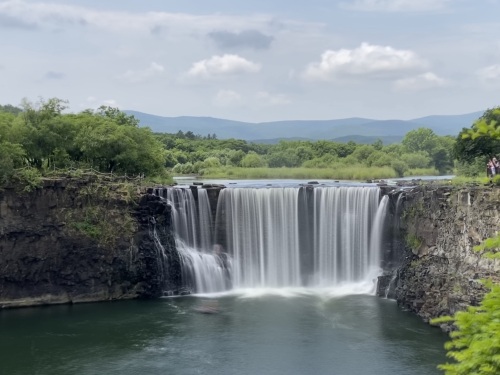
{"points": [[218, 66], [268, 99], [489, 73], [362, 61], [31, 15], [135, 76], [227, 98], [420, 82], [396, 5]]}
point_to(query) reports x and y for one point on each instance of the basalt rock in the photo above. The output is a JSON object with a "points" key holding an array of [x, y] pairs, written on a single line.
{"points": [[441, 273], [81, 240]]}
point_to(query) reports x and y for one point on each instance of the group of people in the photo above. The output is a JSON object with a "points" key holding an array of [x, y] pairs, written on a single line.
{"points": [[492, 167]]}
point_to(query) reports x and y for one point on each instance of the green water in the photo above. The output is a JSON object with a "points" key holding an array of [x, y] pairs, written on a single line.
{"points": [[352, 335]]}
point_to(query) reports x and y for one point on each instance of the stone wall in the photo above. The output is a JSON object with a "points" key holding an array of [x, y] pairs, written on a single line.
{"points": [[80, 240], [441, 273]]}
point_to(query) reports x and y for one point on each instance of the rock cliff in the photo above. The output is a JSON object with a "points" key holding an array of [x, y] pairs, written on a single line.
{"points": [[82, 239], [441, 272]]}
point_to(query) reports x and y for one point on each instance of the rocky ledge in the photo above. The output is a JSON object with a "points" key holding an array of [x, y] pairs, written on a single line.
{"points": [[441, 273]]}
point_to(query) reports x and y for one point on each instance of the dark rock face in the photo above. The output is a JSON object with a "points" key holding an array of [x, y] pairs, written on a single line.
{"points": [[81, 240], [441, 273]]}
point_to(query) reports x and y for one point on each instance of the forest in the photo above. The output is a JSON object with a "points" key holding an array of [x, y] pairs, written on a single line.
{"points": [[40, 138]]}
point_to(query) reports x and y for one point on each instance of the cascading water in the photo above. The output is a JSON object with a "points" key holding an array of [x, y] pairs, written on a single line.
{"points": [[273, 246], [262, 234], [202, 270], [319, 237]]}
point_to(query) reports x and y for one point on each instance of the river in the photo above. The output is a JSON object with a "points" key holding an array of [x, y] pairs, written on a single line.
{"points": [[299, 333]]}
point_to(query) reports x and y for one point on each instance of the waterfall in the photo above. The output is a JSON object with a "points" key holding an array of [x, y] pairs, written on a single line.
{"points": [[277, 237], [203, 269], [344, 218], [261, 226]]}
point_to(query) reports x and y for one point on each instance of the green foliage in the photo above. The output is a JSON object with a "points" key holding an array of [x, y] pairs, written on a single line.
{"points": [[42, 136], [252, 160], [11, 157], [30, 178], [400, 167], [475, 345], [101, 224], [413, 242], [482, 140], [338, 171], [420, 140], [111, 141], [10, 109], [473, 168], [418, 159], [421, 172], [490, 246]]}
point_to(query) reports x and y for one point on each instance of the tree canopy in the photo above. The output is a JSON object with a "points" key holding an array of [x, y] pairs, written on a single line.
{"points": [[40, 135]]}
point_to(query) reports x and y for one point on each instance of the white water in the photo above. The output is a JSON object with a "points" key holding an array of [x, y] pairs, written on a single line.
{"points": [[344, 218], [281, 240], [262, 235], [202, 269]]}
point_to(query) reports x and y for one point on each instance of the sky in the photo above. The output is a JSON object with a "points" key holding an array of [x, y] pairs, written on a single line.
{"points": [[255, 60]]}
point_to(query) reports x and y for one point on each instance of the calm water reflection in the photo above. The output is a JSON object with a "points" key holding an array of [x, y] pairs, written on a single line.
{"points": [[352, 335]]}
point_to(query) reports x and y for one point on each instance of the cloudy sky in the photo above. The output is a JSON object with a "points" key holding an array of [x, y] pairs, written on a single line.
{"points": [[258, 60]]}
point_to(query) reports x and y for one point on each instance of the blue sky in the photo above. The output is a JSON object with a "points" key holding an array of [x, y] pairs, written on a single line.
{"points": [[255, 60]]}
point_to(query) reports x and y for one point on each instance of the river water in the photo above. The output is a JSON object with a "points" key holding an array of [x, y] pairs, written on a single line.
{"points": [[303, 333]]}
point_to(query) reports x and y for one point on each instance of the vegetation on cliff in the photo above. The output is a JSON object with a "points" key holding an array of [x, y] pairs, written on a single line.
{"points": [[475, 345]]}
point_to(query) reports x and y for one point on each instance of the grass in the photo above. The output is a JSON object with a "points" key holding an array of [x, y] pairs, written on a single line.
{"points": [[422, 172], [341, 172]]}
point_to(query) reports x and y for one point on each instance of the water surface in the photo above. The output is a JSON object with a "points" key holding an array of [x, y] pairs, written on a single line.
{"points": [[304, 334]]}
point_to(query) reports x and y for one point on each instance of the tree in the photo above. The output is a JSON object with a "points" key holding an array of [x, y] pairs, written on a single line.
{"points": [[10, 109], [252, 160], [482, 139], [421, 139], [475, 345], [119, 117]]}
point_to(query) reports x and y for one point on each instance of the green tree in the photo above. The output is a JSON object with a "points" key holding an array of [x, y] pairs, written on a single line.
{"points": [[253, 160], [421, 139], [11, 157], [119, 117], [475, 345]]}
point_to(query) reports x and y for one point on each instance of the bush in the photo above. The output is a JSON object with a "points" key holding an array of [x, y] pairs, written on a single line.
{"points": [[400, 167], [252, 160], [31, 178]]}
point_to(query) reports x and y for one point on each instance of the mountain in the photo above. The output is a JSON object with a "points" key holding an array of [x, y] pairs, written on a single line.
{"points": [[447, 125], [270, 132]]}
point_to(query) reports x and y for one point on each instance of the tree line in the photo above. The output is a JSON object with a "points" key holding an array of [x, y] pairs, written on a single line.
{"points": [[420, 149], [41, 136]]}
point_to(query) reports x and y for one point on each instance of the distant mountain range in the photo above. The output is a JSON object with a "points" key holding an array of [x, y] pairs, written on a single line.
{"points": [[360, 130]]}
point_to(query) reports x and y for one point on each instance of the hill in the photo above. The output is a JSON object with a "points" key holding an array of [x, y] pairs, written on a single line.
{"points": [[270, 132]]}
